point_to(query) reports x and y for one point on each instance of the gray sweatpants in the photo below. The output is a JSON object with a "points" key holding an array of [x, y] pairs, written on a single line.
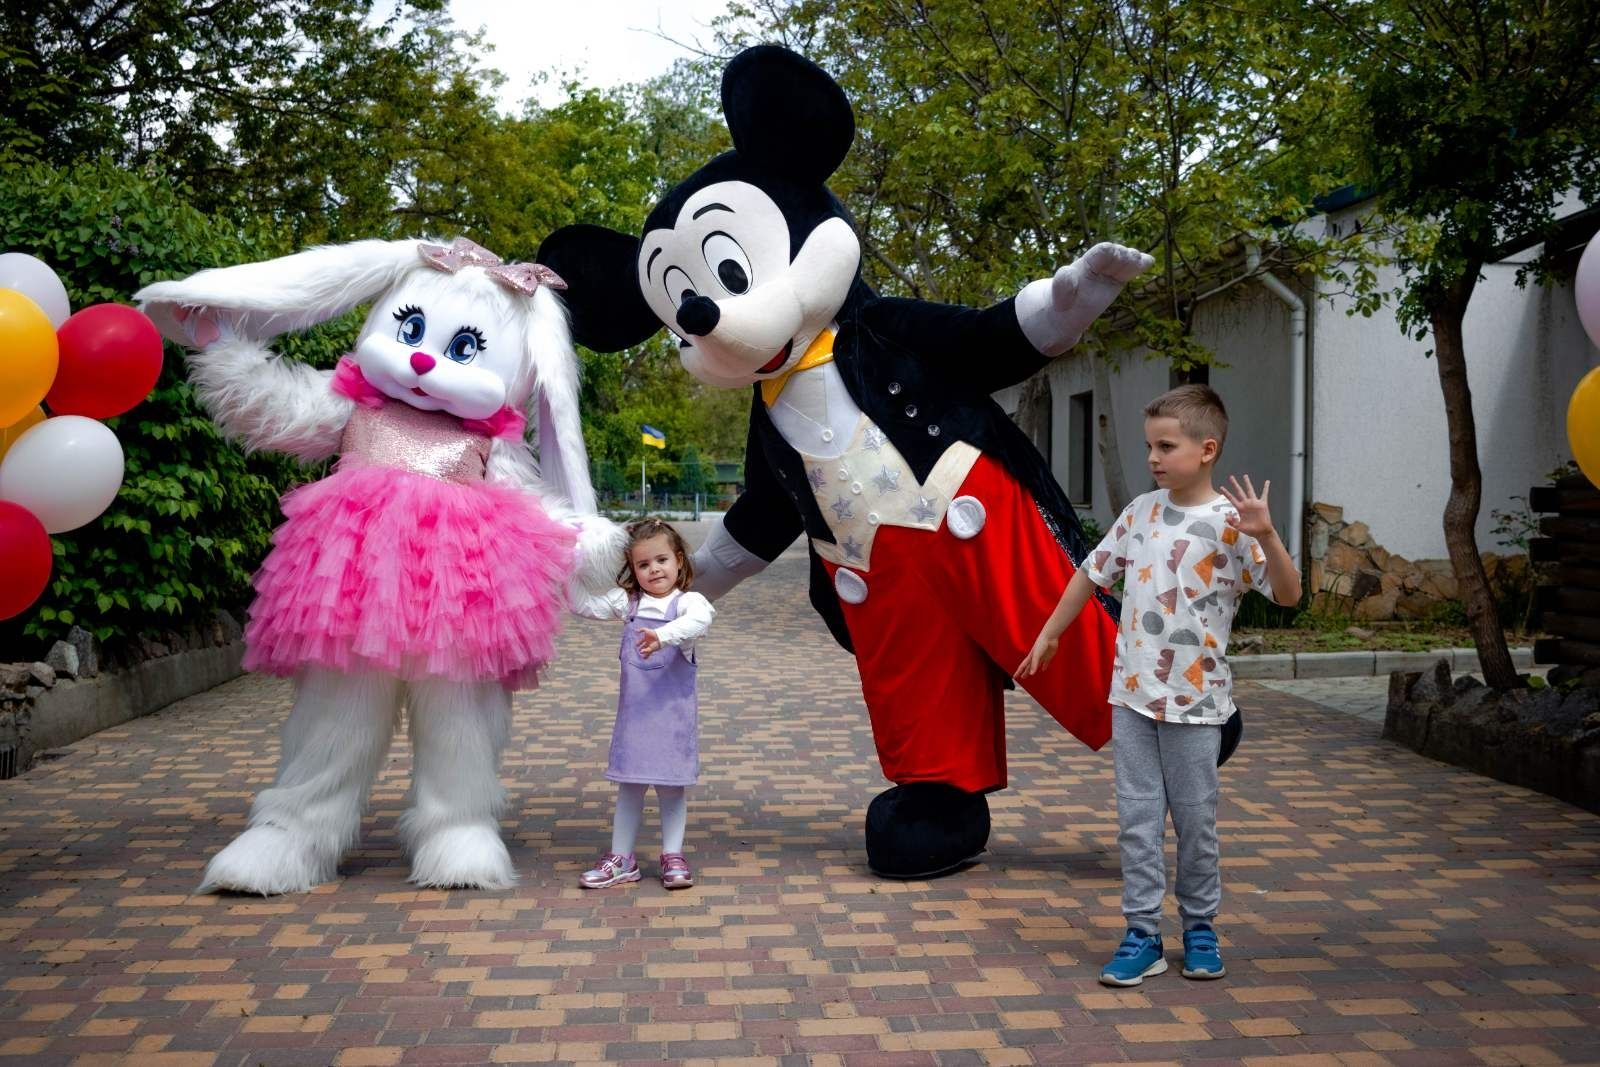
{"points": [[1162, 767]]}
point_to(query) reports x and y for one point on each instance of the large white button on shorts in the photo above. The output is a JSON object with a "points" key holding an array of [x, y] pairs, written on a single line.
{"points": [[966, 517], [851, 587]]}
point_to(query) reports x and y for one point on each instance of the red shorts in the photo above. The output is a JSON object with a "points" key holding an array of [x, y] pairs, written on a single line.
{"points": [[945, 620]]}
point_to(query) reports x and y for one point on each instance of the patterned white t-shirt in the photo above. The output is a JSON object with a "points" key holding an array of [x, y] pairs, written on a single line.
{"points": [[1184, 572]]}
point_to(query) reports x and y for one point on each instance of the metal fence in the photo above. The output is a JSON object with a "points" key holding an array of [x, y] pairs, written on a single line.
{"points": [[666, 505]]}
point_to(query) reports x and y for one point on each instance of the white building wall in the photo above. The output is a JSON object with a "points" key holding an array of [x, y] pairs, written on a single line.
{"points": [[1379, 444], [1377, 441], [1249, 329]]}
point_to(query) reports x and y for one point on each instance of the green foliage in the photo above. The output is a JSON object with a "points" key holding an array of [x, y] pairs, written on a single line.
{"points": [[1476, 119], [1256, 612], [149, 141], [996, 141], [312, 112], [194, 515], [1447, 613]]}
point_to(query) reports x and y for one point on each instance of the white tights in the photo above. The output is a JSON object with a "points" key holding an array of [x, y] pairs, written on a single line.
{"points": [[630, 812]]}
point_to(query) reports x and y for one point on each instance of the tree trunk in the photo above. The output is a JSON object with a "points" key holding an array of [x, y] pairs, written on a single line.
{"points": [[1466, 484], [1033, 413], [1106, 418]]}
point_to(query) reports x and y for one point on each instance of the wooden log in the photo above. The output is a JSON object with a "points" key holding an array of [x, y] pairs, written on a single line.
{"points": [[1573, 626], [1572, 601], [1565, 528], [1551, 499], [1566, 650], [1551, 550], [1573, 574]]}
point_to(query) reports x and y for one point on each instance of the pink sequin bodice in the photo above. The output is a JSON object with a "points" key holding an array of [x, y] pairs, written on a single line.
{"points": [[401, 437]]}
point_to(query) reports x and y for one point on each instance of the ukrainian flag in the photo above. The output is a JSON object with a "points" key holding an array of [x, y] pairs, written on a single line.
{"points": [[653, 437]]}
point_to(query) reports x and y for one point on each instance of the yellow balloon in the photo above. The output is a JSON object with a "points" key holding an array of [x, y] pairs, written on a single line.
{"points": [[9, 434], [1583, 426], [28, 355]]}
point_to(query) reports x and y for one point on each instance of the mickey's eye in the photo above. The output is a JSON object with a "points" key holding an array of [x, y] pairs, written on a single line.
{"points": [[413, 324], [679, 287], [465, 345], [727, 261]]}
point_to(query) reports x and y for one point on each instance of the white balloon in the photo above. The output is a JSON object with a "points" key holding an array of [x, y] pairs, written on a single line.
{"points": [[66, 470], [35, 280], [1586, 290]]}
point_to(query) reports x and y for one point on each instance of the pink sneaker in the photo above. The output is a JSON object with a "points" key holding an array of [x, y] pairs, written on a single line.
{"points": [[675, 872], [611, 869]]}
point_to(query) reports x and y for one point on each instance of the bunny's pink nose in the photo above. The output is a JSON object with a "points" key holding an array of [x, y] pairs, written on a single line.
{"points": [[421, 362]]}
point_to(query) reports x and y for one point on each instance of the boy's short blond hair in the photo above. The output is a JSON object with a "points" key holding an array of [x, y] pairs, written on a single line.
{"points": [[1197, 408]]}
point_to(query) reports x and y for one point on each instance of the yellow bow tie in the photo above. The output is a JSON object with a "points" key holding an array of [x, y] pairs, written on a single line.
{"points": [[820, 352]]}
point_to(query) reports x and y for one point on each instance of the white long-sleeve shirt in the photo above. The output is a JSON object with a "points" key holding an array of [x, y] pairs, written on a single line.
{"points": [[694, 614]]}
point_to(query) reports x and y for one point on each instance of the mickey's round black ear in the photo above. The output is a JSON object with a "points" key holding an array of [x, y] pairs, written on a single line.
{"points": [[601, 269], [786, 113]]}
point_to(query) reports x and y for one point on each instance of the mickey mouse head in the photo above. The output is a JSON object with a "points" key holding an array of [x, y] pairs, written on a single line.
{"points": [[748, 259]]}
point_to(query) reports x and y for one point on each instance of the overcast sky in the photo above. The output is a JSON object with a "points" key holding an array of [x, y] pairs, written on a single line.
{"points": [[603, 42]]}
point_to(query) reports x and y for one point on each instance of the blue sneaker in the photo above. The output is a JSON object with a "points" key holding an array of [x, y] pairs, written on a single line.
{"points": [[1138, 957], [1200, 956]]}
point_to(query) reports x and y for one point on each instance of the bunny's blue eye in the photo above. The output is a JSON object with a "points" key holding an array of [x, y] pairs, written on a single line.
{"points": [[465, 345], [413, 324]]}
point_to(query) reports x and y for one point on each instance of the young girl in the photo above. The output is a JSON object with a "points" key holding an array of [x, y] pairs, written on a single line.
{"points": [[656, 740]]}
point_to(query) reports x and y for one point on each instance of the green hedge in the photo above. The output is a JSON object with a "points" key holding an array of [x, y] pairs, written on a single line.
{"points": [[195, 515]]}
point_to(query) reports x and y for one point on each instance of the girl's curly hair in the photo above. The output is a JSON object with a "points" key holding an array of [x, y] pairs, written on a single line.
{"points": [[644, 530]]}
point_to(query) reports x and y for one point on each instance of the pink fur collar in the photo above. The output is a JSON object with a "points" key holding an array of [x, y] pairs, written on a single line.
{"points": [[348, 381]]}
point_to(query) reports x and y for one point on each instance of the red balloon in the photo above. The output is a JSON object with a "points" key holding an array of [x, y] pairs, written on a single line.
{"points": [[110, 360], [25, 559]]}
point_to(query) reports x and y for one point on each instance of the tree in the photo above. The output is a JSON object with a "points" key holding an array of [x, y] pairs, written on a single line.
{"points": [[194, 515], [694, 474], [314, 113], [1480, 117], [310, 122], [997, 141]]}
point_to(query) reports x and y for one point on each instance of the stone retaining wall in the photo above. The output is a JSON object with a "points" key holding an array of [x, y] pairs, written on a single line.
{"points": [[67, 696], [1352, 576]]}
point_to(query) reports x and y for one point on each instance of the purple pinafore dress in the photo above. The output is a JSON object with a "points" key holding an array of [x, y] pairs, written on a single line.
{"points": [[657, 737]]}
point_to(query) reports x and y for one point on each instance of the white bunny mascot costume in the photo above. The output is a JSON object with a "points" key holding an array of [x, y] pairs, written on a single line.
{"points": [[429, 570]]}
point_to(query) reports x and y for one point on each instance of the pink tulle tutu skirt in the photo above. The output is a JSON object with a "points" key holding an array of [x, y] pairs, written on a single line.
{"points": [[379, 569]]}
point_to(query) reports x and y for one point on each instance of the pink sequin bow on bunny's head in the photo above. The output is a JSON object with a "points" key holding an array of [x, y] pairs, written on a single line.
{"points": [[524, 278]]}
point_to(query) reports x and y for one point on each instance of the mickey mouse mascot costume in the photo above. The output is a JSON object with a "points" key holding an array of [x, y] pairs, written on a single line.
{"points": [[939, 539]]}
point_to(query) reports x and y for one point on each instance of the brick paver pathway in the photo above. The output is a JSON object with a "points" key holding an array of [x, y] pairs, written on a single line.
{"points": [[1380, 908]]}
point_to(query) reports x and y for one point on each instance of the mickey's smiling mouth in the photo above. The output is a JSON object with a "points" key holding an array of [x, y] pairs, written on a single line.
{"points": [[777, 361], [418, 390]]}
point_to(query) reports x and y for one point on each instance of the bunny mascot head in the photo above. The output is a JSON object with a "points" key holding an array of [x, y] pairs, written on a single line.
{"points": [[431, 567]]}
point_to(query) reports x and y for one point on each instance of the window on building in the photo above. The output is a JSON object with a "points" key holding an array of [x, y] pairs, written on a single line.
{"points": [[1080, 461]]}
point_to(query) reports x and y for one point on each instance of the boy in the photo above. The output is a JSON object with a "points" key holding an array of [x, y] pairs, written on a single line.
{"points": [[1187, 555]]}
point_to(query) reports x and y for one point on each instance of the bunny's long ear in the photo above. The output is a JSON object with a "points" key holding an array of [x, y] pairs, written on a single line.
{"points": [[563, 460], [282, 295]]}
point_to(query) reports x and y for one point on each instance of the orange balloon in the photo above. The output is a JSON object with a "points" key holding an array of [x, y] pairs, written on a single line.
{"points": [[9, 434], [28, 355]]}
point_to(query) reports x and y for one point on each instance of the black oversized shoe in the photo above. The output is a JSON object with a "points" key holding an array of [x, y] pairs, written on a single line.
{"points": [[925, 829], [1232, 730]]}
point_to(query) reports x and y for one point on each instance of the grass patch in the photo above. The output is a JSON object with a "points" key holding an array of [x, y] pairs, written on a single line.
{"points": [[1310, 633]]}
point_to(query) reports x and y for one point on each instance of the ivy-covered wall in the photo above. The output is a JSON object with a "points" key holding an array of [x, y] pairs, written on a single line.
{"points": [[194, 516]]}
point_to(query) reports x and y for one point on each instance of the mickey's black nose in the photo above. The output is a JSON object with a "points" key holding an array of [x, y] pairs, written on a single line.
{"points": [[698, 315]]}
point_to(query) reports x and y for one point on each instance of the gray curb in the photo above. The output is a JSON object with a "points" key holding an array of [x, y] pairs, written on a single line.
{"points": [[73, 710], [1360, 664]]}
